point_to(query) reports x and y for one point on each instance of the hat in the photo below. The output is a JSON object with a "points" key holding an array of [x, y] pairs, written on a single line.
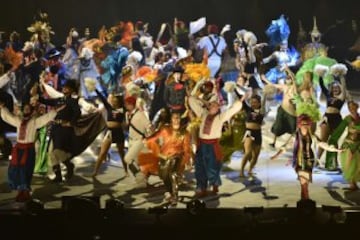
{"points": [[213, 29], [304, 119], [130, 100], [52, 53]]}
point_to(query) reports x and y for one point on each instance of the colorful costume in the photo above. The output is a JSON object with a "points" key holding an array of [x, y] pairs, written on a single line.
{"points": [[22, 163], [174, 151], [209, 158], [350, 156]]}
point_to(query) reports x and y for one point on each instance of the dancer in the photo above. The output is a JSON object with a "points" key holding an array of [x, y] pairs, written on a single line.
{"points": [[22, 163], [208, 159], [350, 156], [285, 121], [139, 127], [114, 134], [171, 144], [303, 155], [253, 137], [335, 99]]}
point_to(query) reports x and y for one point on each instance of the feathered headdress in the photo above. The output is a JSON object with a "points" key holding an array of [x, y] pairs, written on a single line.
{"points": [[309, 109], [278, 31], [315, 33], [197, 71], [12, 57], [41, 24], [146, 73]]}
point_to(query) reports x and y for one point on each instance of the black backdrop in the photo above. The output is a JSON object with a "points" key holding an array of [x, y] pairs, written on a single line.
{"points": [[254, 15]]}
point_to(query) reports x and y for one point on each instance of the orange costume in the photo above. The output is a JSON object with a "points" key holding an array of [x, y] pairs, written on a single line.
{"points": [[166, 144]]}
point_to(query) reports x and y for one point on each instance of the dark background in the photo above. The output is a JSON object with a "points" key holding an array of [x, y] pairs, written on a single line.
{"points": [[254, 15]]}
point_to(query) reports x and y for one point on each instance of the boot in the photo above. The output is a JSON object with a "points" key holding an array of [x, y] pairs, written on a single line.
{"points": [[140, 180], [69, 169], [58, 175]]}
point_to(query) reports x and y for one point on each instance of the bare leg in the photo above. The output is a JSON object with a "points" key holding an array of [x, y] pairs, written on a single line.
{"points": [[324, 135], [273, 144], [120, 147], [247, 155], [304, 183], [255, 155], [105, 146]]}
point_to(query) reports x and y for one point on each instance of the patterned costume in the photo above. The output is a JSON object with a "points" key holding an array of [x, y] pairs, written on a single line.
{"points": [[22, 163]]}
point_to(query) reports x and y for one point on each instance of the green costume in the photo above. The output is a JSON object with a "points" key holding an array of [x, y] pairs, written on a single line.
{"points": [[350, 157]]}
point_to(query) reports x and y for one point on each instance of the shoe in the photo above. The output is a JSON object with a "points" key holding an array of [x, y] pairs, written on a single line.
{"points": [[272, 145], [140, 180], [19, 196], [201, 194], [215, 189], [69, 170], [23, 196], [167, 196], [173, 201]]}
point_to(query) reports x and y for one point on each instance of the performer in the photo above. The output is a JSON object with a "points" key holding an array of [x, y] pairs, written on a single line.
{"points": [[139, 127], [303, 158], [335, 99], [62, 132], [253, 137], [214, 46], [115, 119], [303, 155], [171, 144], [71, 132], [208, 159], [251, 60], [176, 91], [279, 32], [285, 121], [315, 48], [22, 163], [350, 156]]}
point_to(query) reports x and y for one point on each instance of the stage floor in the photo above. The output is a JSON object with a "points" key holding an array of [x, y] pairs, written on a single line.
{"points": [[274, 185]]}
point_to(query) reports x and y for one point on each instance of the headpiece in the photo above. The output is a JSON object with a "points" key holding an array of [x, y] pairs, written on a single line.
{"points": [[315, 34]]}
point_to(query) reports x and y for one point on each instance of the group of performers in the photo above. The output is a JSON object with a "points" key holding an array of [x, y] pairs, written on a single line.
{"points": [[168, 101]]}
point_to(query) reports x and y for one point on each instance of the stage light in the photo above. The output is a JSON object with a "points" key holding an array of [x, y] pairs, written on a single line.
{"points": [[194, 207], [253, 211], [336, 214], [34, 206]]}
